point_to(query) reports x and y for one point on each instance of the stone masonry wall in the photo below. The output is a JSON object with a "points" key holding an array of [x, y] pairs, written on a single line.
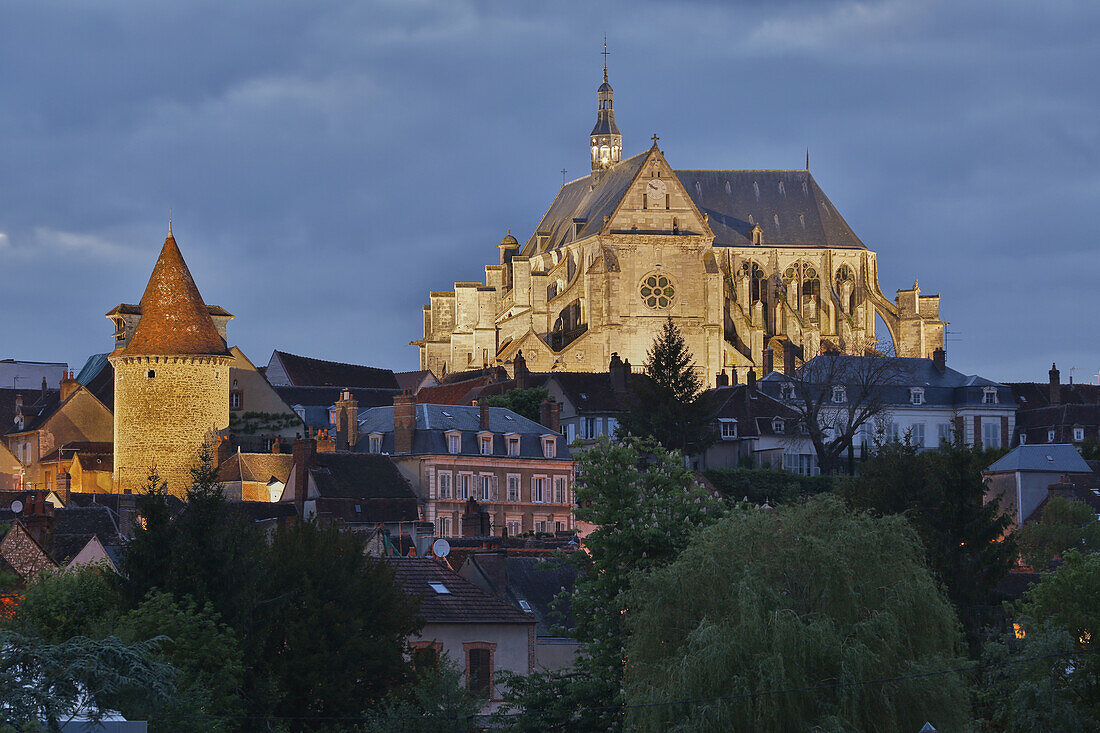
{"points": [[165, 408]]}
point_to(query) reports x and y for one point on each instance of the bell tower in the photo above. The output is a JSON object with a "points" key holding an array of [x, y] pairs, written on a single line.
{"points": [[606, 140]]}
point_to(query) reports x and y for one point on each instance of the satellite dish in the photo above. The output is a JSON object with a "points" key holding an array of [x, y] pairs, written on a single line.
{"points": [[441, 547], [16, 506]]}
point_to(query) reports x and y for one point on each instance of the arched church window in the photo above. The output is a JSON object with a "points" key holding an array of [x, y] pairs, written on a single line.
{"points": [[657, 291], [755, 274]]}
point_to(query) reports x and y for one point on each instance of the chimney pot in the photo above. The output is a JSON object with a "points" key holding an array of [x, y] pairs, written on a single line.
{"points": [[404, 422], [483, 405], [303, 453], [1055, 385], [939, 358]]}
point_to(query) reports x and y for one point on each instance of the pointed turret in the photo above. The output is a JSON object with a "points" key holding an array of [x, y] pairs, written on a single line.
{"points": [[174, 319], [606, 141]]}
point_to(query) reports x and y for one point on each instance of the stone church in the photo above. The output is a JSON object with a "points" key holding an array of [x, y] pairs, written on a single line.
{"points": [[756, 267]]}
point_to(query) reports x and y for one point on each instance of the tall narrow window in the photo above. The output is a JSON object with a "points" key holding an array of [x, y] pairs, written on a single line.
{"points": [[513, 487], [479, 672], [559, 490], [444, 485]]}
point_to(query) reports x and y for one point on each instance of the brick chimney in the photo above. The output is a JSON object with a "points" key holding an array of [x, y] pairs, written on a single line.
{"points": [[347, 421], [303, 453], [550, 414], [1055, 385], [939, 358], [64, 485], [483, 409], [68, 385], [45, 387], [127, 511], [721, 379], [38, 517], [404, 422], [618, 371], [769, 361], [519, 370], [475, 520], [751, 379]]}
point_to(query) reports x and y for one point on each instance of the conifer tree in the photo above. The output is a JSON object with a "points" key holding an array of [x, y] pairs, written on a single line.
{"points": [[669, 406]]}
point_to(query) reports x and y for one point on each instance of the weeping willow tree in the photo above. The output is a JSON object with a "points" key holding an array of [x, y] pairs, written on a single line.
{"points": [[807, 596]]}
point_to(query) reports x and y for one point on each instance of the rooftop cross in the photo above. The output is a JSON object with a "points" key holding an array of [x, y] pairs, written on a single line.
{"points": [[604, 53], [655, 139]]}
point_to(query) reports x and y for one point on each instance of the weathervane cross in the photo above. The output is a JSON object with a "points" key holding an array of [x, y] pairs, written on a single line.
{"points": [[655, 139], [605, 52]]}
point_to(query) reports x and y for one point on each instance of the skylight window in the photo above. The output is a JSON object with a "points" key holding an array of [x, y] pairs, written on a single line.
{"points": [[509, 417], [525, 606], [446, 414], [439, 588]]}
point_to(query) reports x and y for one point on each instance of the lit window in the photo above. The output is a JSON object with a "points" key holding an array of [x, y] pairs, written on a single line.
{"points": [[916, 395]]}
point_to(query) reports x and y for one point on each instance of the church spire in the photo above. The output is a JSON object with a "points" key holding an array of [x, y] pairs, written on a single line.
{"points": [[606, 141]]}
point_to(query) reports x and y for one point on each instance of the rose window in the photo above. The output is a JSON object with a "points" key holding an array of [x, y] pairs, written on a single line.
{"points": [[657, 291]]}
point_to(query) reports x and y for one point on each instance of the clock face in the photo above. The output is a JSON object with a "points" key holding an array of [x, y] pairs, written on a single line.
{"points": [[655, 192]]}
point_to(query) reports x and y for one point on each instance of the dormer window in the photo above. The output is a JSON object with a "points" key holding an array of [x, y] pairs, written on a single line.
{"points": [[513, 445], [916, 395], [375, 442], [728, 428], [1050, 436], [989, 395], [840, 395], [1078, 435], [454, 442], [786, 391], [485, 444], [757, 235], [778, 426], [549, 446]]}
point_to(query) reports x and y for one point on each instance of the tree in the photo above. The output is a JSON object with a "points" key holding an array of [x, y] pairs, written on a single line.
{"points": [[942, 494], [645, 505], [670, 406], [1044, 675], [435, 701], [805, 596], [526, 402], [83, 601], [760, 485], [1062, 525], [835, 397], [54, 683], [336, 624], [201, 648]]}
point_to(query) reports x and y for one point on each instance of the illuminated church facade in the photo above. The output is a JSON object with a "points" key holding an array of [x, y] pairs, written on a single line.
{"points": [[757, 268]]}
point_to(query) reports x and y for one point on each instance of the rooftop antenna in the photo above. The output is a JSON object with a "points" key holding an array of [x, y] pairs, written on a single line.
{"points": [[562, 183]]}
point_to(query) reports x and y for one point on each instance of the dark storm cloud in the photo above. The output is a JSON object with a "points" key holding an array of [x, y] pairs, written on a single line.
{"points": [[329, 163]]}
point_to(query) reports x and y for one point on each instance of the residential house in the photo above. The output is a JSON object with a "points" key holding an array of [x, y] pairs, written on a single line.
{"points": [[354, 489], [69, 414], [592, 403], [291, 370], [257, 414], [752, 429], [922, 400], [82, 466], [316, 406], [519, 472], [481, 633], [1022, 477], [1056, 412], [255, 476], [533, 585], [16, 374]]}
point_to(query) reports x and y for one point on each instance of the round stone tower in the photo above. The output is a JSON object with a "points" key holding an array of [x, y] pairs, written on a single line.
{"points": [[171, 380]]}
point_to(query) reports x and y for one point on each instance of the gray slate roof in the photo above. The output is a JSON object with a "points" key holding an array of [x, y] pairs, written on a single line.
{"points": [[1053, 458], [433, 422], [788, 205], [951, 388]]}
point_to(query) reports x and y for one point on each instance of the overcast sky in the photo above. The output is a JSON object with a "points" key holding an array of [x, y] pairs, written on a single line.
{"points": [[329, 163]]}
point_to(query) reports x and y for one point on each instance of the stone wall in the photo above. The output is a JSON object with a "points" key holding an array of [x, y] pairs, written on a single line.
{"points": [[165, 409]]}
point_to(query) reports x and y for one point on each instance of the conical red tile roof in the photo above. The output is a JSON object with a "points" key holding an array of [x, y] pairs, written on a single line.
{"points": [[174, 320]]}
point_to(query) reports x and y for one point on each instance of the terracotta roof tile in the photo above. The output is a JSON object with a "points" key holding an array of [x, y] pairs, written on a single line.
{"points": [[174, 319]]}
